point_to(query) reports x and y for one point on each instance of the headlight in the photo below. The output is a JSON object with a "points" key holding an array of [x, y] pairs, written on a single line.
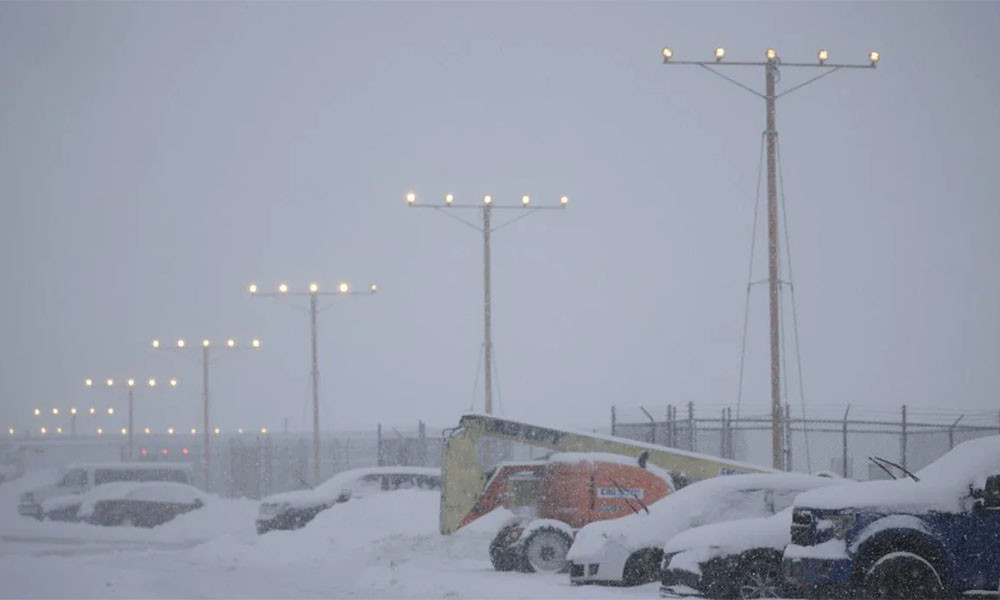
{"points": [[842, 524]]}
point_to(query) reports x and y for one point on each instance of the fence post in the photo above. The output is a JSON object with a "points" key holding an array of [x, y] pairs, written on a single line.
{"points": [[844, 465], [903, 439], [652, 425], [788, 437], [613, 421], [378, 450], [671, 440], [722, 435], [691, 438], [951, 432], [422, 434], [730, 445]]}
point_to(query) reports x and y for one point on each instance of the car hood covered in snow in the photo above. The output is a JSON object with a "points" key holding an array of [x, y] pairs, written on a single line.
{"points": [[705, 501], [704, 543], [943, 486]]}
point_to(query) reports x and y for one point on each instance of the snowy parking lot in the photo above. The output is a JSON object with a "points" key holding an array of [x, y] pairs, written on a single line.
{"points": [[384, 546]]}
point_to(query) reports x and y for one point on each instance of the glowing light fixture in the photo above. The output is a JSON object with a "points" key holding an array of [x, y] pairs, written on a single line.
{"points": [[253, 288], [720, 53], [313, 288], [771, 54], [344, 288], [873, 56], [487, 199], [448, 199], [411, 198], [283, 288], [668, 53], [822, 55]]}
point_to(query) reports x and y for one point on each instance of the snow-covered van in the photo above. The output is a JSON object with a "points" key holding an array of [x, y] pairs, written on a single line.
{"points": [[82, 477], [935, 533]]}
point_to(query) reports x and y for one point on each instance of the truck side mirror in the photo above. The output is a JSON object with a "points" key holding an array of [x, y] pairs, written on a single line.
{"points": [[991, 493]]}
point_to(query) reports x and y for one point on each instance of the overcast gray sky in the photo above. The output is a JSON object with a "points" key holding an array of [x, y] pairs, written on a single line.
{"points": [[158, 157]]}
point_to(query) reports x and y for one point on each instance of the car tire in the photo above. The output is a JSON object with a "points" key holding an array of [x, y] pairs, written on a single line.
{"points": [[545, 550], [760, 577], [902, 575], [643, 566]]}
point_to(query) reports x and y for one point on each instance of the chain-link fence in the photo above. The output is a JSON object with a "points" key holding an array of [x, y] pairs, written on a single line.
{"points": [[833, 438]]}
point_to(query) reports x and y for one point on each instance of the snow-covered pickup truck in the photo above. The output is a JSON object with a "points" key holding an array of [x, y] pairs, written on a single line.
{"points": [[935, 533]]}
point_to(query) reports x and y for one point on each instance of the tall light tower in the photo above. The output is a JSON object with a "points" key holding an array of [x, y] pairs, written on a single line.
{"points": [[130, 385], [206, 358], [487, 207], [771, 65], [343, 289]]}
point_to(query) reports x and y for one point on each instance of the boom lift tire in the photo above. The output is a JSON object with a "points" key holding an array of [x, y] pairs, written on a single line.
{"points": [[545, 550]]}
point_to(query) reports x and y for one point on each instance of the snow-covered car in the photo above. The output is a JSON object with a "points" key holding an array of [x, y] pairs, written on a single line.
{"points": [[128, 503], [629, 550], [292, 510], [735, 559], [934, 533], [82, 477]]}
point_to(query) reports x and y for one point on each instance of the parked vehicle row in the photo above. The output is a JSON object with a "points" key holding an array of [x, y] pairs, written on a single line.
{"points": [[150, 494], [930, 534]]}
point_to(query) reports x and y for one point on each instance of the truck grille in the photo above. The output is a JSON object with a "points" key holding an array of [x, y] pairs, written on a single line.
{"points": [[803, 528]]}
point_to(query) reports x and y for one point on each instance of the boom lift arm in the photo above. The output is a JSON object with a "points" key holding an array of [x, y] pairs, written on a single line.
{"points": [[463, 477]]}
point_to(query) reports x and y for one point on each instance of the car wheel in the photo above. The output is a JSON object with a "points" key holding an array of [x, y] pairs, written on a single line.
{"points": [[545, 550], [760, 578], [642, 567], [902, 575]]}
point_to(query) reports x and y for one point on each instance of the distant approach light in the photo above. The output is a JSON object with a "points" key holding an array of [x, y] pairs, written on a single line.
{"points": [[771, 54], [668, 53], [411, 198], [720, 53], [873, 57], [822, 55]]}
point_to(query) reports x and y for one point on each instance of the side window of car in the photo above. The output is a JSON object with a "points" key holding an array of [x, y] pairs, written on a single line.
{"points": [[75, 478]]}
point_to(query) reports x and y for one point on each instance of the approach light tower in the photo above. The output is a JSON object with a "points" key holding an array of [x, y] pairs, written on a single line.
{"points": [[130, 384], [771, 64], [487, 207], [206, 359], [343, 289]]}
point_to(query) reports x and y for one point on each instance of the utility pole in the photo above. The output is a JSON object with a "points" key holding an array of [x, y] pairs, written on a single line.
{"points": [[771, 66], [344, 289], [486, 229]]}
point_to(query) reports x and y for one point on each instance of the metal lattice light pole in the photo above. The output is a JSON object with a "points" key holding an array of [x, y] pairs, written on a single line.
{"points": [[771, 65], [343, 289], [206, 358], [130, 385], [487, 207]]}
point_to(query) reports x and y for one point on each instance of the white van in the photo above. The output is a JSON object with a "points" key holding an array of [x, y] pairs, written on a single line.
{"points": [[82, 477]]}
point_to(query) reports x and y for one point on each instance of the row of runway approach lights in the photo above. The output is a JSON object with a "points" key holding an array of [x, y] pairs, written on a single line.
{"points": [[772, 54], [131, 383]]}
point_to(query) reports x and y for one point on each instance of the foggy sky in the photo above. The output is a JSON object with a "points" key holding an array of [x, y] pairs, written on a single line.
{"points": [[156, 158]]}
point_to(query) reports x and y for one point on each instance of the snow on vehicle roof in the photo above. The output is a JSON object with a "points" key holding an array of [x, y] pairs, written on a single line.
{"points": [[331, 488], [705, 501], [607, 457], [145, 491], [943, 485]]}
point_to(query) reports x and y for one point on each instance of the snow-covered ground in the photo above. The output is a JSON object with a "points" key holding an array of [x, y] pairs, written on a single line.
{"points": [[383, 546]]}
